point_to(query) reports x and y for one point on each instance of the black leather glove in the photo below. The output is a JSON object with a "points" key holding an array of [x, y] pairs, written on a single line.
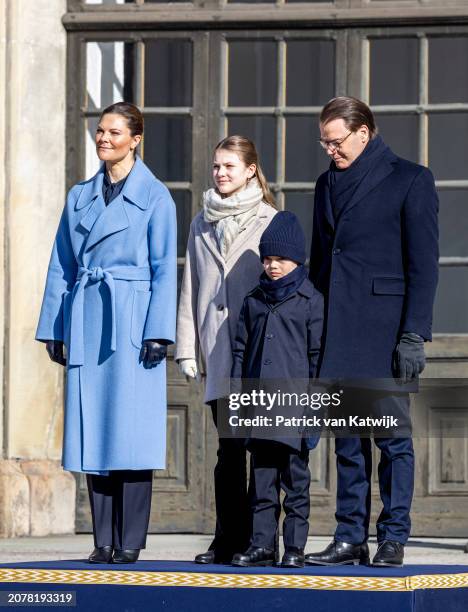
{"points": [[152, 353], [55, 350], [409, 358]]}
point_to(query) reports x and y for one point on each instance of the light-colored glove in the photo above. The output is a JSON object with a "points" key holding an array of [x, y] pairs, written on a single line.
{"points": [[189, 369]]}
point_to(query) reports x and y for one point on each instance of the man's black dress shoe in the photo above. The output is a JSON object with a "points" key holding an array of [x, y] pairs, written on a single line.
{"points": [[293, 557], [101, 554], [389, 554], [340, 553], [254, 556], [129, 555], [214, 556]]}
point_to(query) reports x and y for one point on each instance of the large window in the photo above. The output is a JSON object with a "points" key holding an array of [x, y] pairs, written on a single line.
{"points": [[197, 86], [421, 105]]}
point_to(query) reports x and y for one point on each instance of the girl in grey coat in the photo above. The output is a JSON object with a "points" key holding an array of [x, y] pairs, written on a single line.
{"points": [[222, 265]]}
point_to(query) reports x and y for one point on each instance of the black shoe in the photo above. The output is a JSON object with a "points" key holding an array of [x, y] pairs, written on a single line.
{"points": [[129, 555], [254, 557], [214, 556], [340, 553], [101, 554], [389, 554], [293, 557]]}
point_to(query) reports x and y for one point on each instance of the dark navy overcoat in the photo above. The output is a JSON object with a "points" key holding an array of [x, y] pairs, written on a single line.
{"points": [[279, 343], [377, 266]]}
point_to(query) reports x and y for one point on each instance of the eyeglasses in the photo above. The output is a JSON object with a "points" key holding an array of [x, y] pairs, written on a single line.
{"points": [[333, 144]]}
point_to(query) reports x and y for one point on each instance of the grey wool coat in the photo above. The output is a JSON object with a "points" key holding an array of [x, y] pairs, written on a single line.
{"points": [[211, 297]]}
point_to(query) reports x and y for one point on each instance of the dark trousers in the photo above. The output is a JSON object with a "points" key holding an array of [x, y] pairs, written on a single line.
{"points": [[396, 482], [277, 466], [120, 507], [233, 514]]}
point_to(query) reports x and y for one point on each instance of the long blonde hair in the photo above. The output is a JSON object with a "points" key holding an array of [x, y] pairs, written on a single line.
{"points": [[245, 149]]}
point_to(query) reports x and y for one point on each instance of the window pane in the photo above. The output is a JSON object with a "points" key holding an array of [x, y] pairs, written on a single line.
{"points": [[310, 72], [305, 158], [448, 69], [252, 73], [394, 71], [109, 73], [168, 147], [453, 223], [451, 305], [262, 131], [183, 201], [302, 205], [168, 73], [448, 155], [400, 132]]}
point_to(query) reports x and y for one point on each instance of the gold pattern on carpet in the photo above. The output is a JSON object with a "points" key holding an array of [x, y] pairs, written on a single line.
{"points": [[238, 581]]}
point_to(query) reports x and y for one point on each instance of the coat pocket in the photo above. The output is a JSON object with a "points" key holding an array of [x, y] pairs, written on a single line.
{"points": [[141, 300], [387, 285]]}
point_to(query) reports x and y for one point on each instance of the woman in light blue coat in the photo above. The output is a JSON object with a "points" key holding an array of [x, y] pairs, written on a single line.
{"points": [[110, 299]]}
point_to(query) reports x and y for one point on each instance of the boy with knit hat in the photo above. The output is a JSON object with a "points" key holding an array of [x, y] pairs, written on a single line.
{"points": [[278, 337]]}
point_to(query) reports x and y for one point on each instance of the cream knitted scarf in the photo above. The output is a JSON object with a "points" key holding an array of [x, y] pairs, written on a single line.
{"points": [[231, 215]]}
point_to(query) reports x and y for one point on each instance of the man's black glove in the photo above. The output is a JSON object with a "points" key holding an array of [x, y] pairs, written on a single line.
{"points": [[152, 353], [55, 351], [409, 358]]}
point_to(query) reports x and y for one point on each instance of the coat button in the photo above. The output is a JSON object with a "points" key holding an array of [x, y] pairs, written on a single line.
{"points": [[267, 362], [269, 336], [220, 306], [336, 251]]}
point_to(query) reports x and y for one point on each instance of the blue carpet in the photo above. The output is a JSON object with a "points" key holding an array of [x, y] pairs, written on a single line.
{"points": [[216, 588]]}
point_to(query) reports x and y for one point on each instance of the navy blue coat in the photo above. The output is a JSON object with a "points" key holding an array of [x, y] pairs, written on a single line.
{"points": [[377, 266], [279, 341]]}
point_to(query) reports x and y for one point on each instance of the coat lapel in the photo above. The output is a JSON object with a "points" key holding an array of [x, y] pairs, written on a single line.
{"points": [[209, 238], [244, 237], [111, 220], [99, 220], [375, 176], [328, 211]]}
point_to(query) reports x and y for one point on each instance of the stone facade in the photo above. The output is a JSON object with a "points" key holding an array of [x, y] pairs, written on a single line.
{"points": [[36, 496]]}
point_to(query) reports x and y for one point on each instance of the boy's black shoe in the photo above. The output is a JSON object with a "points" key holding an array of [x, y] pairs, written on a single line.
{"points": [[389, 554], [293, 557], [101, 554], [340, 553], [254, 556], [213, 555]]}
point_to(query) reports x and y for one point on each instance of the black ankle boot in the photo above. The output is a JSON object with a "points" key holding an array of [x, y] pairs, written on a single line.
{"points": [[293, 557], [129, 555], [101, 554], [254, 556], [389, 554], [340, 553]]}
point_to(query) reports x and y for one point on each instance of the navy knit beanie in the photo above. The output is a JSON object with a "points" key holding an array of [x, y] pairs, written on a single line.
{"points": [[283, 238]]}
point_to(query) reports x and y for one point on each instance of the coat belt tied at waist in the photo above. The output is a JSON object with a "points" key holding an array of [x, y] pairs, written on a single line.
{"points": [[96, 275]]}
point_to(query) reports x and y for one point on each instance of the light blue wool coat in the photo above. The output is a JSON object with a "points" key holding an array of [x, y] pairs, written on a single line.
{"points": [[112, 283]]}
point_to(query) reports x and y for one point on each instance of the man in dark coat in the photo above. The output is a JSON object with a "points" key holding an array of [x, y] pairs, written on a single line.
{"points": [[278, 342], [374, 257]]}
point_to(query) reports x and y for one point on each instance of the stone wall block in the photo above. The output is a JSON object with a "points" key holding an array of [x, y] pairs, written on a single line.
{"points": [[14, 500], [52, 494]]}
